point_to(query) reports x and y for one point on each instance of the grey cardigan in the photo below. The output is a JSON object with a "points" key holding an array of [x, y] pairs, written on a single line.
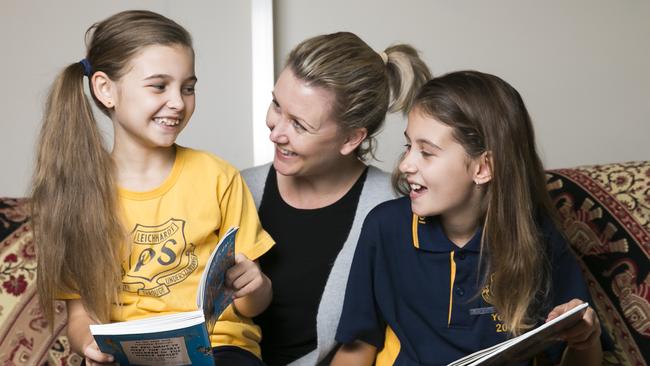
{"points": [[376, 189]]}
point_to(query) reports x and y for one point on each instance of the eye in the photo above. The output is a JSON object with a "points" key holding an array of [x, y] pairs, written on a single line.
{"points": [[425, 153], [188, 90], [298, 126], [407, 147], [274, 104], [158, 87]]}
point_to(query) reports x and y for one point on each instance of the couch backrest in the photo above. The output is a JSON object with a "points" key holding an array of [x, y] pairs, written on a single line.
{"points": [[605, 212], [25, 337]]}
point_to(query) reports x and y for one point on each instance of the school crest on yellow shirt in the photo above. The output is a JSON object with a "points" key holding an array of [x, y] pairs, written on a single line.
{"points": [[160, 257]]}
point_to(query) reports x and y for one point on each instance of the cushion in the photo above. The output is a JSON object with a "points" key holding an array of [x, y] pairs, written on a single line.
{"points": [[605, 214], [25, 337]]}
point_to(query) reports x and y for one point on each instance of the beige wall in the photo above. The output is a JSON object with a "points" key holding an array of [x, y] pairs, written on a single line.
{"points": [[582, 66], [40, 37]]}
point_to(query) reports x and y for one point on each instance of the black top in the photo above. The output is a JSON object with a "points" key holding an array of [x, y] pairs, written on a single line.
{"points": [[307, 244]]}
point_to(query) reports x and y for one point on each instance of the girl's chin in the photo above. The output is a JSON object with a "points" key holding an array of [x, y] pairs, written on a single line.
{"points": [[420, 211]]}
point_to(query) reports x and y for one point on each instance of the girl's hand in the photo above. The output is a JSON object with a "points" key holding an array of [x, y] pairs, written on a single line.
{"points": [[586, 333], [94, 356], [245, 277]]}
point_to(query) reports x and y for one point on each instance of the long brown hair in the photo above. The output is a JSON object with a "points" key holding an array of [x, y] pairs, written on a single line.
{"points": [[366, 84], [77, 229], [488, 115]]}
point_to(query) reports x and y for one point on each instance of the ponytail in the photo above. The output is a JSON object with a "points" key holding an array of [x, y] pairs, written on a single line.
{"points": [[76, 230], [406, 74]]}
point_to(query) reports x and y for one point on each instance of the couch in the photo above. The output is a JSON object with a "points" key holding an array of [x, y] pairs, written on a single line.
{"points": [[605, 214], [25, 336]]}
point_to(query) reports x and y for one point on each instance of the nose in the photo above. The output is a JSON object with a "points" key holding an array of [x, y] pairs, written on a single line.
{"points": [[407, 165], [278, 128], [176, 101]]}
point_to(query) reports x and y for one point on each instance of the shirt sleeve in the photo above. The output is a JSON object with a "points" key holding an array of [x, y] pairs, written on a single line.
{"points": [[361, 319], [238, 209]]}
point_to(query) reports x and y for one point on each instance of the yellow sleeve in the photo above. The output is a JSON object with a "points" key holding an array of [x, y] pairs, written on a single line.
{"points": [[238, 209], [66, 294]]}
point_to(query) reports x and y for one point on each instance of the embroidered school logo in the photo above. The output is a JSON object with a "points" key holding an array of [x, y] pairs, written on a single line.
{"points": [[499, 326], [160, 258]]}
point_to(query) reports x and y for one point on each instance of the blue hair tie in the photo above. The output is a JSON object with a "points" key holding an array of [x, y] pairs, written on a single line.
{"points": [[88, 70]]}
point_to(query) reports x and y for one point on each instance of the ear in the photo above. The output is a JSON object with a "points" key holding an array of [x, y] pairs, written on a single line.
{"points": [[104, 89], [483, 168], [353, 139]]}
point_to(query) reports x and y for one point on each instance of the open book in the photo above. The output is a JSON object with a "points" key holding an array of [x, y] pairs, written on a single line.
{"points": [[175, 339], [525, 346]]}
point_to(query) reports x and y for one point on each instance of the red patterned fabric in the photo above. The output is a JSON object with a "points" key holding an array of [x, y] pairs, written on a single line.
{"points": [[25, 338], [605, 212]]}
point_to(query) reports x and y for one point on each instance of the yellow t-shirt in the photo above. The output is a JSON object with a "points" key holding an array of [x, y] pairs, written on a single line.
{"points": [[174, 228]]}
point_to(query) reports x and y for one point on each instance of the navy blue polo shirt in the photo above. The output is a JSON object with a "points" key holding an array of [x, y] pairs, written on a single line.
{"points": [[410, 285]]}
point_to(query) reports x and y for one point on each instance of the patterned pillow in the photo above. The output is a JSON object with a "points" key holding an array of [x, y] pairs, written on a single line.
{"points": [[25, 338], [605, 211]]}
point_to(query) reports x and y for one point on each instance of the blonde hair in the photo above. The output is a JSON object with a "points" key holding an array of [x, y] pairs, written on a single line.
{"points": [[488, 115], [365, 87], [77, 230]]}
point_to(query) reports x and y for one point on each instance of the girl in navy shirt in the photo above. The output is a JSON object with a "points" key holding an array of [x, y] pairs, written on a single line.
{"points": [[472, 256]]}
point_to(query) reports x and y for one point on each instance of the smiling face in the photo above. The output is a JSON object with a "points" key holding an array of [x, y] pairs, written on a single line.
{"points": [[154, 100], [440, 173], [308, 141]]}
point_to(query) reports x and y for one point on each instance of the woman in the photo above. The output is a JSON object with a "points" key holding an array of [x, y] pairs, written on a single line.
{"points": [[327, 105]]}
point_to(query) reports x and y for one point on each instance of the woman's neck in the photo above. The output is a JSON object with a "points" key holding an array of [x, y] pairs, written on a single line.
{"points": [[140, 169], [320, 190]]}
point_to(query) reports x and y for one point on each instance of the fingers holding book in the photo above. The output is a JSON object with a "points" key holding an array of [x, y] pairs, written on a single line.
{"points": [[251, 288], [94, 356], [584, 334], [244, 277]]}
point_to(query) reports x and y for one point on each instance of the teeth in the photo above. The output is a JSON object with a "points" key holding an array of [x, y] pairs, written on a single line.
{"points": [[286, 152], [415, 186], [167, 121]]}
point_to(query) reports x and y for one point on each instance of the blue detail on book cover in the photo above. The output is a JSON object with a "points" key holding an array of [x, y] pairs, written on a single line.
{"points": [[217, 296], [196, 339]]}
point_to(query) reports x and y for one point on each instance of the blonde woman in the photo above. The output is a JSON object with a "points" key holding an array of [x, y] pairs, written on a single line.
{"points": [[328, 103]]}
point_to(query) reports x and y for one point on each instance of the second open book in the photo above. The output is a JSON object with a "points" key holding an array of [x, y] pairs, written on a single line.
{"points": [[526, 345]]}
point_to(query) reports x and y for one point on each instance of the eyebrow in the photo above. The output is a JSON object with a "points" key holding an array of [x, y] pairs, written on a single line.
{"points": [[293, 116], [167, 77], [423, 141]]}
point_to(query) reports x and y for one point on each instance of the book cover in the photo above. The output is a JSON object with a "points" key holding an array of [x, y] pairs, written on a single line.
{"points": [[180, 338], [525, 346]]}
